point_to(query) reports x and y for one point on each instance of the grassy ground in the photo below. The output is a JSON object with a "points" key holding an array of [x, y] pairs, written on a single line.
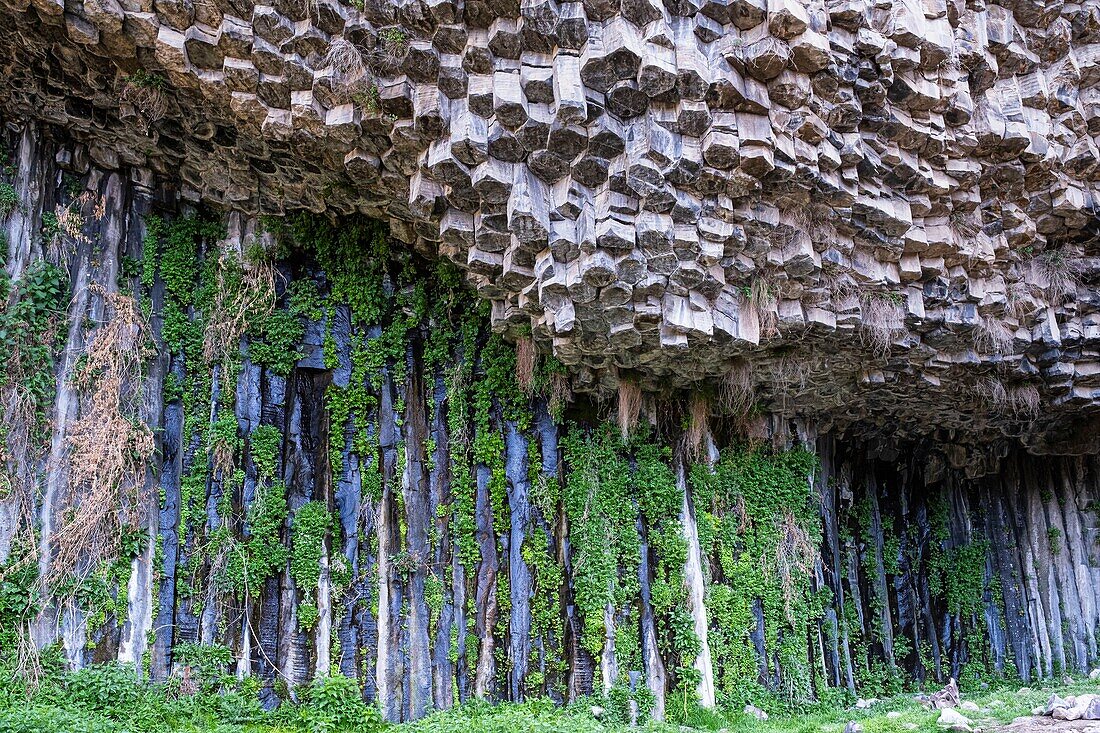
{"points": [[896, 715], [998, 707], [103, 701]]}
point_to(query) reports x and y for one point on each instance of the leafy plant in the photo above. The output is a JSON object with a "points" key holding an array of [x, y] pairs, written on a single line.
{"points": [[332, 704], [9, 199], [208, 664]]}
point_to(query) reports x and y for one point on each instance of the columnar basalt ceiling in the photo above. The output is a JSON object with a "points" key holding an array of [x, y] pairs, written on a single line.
{"points": [[880, 213]]}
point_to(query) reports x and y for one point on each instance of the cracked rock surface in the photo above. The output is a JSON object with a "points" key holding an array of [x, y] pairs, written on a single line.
{"points": [[882, 214]]}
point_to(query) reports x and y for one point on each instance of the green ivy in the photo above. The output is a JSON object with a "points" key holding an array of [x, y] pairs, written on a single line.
{"points": [[262, 553], [265, 441], [276, 341], [310, 527], [9, 200], [761, 507], [33, 309], [602, 518]]}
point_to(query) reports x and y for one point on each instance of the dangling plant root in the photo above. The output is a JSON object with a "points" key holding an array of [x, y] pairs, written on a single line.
{"points": [[630, 406], [526, 356], [883, 321], [108, 447], [735, 391], [245, 296], [698, 427]]}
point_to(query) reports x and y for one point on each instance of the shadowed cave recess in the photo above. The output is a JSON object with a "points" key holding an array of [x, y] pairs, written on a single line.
{"points": [[695, 352]]}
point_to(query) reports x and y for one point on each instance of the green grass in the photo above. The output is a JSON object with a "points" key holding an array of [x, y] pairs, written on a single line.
{"points": [[106, 699]]}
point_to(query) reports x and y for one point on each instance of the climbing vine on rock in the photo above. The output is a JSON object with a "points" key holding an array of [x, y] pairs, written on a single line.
{"points": [[311, 524], [759, 524], [602, 515]]}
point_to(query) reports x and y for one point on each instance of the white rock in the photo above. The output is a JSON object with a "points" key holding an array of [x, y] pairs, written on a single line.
{"points": [[893, 715], [1094, 674], [755, 712], [597, 711], [953, 719], [969, 706], [1054, 702], [1076, 708], [864, 704], [853, 727]]}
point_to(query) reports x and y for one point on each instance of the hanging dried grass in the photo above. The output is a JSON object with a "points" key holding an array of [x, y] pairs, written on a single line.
{"points": [[735, 391], [763, 302], [991, 336], [526, 359], [352, 74], [109, 446], [345, 59], [559, 393], [1019, 301], [145, 94], [964, 225], [1025, 402], [795, 556], [883, 321], [245, 295], [1061, 271], [698, 426], [630, 406], [992, 391]]}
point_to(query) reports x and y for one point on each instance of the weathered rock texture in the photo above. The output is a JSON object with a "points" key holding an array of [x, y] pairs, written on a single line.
{"points": [[459, 561], [887, 209]]}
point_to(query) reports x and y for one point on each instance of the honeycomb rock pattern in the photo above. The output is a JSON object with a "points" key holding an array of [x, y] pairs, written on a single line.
{"points": [[870, 208]]}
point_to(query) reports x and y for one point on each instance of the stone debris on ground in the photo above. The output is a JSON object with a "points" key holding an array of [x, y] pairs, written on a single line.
{"points": [[948, 697], [954, 720], [1079, 707]]}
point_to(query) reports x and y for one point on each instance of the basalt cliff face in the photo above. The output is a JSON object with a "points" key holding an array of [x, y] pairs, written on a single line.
{"points": [[318, 317], [657, 192]]}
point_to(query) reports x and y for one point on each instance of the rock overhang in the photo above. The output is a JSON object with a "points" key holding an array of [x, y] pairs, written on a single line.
{"points": [[879, 214]]}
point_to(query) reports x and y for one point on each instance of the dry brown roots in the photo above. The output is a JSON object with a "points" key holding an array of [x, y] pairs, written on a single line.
{"points": [[630, 406], [698, 426], [525, 363], [235, 309], [796, 555], [883, 321], [108, 447]]}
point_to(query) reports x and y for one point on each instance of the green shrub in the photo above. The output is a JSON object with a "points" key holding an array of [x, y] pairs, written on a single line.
{"points": [[335, 703], [106, 687], [9, 199], [208, 663]]}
